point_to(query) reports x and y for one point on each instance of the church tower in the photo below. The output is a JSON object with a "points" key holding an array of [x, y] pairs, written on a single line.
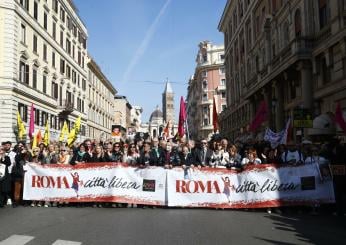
{"points": [[168, 103]]}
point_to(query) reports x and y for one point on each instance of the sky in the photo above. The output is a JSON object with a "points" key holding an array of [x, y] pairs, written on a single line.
{"points": [[140, 43]]}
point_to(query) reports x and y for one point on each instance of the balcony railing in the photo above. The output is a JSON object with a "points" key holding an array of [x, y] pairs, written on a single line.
{"points": [[66, 107]]}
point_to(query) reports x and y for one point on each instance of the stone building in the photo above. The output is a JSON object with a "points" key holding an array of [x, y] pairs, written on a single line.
{"points": [[291, 54], [207, 83]]}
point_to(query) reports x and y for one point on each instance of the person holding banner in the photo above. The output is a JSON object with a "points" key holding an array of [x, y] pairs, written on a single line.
{"points": [[5, 178], [63, 157], [204, 154], [98, 155], [131, 156], [50, 156], [219, 159], [251, 158], [234, 157], [292, 155], [156, 154], [144, 159], [172, 158], [80, 156]]}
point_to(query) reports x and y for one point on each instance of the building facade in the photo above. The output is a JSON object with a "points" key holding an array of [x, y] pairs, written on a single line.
{"points": [[43, 49], [207, 83], [168, 103], [122, 112], [292, 54], [101, 104]]}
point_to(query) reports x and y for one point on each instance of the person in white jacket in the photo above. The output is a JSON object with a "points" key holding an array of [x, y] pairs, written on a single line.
{"points": [[220, 158]]}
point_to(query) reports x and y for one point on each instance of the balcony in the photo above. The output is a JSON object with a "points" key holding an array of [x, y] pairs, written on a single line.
{"points": [[66, 108], [221, 88]]}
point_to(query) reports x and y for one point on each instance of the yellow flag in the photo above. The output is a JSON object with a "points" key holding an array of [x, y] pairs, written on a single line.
{"points": [[46, 136], [74, 132], [34, 142], [64, 132], [72, 136], [77, 125], [21, 127]]}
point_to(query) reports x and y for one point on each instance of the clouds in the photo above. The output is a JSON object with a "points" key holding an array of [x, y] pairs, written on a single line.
{"points": [[145, 42]]}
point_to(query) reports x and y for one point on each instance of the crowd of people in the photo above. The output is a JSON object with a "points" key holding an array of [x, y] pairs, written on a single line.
{"points": [[218, 153]]}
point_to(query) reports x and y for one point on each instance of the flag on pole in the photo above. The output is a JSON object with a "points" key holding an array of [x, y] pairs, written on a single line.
{"points": [[46, 136], [215, 117], [182, 118], [37, 139], [166, 131], [276, 139], [339, 119], [21, 127], [64, 132], [32, 121], [72, 136], [261, 116]]}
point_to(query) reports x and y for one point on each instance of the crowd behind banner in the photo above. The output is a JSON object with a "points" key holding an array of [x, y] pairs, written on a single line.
{"points": [[169, 154]]}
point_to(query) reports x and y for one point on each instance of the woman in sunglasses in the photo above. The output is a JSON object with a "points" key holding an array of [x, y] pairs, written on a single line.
{"points": [[64, 157], [131, 156]]}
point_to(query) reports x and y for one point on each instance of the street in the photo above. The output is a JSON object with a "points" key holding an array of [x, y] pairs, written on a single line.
{"points": [[89, 226]]}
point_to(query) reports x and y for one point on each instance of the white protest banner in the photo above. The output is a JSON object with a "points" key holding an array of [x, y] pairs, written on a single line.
{"points": [[95, 182], [257, 186]]}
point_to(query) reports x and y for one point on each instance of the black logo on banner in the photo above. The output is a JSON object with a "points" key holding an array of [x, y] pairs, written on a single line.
{"points": [[149, 185], [308, 183]]}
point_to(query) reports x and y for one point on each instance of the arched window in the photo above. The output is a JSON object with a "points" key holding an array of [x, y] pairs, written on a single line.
{"points": [[298, 23], [154, 133]]}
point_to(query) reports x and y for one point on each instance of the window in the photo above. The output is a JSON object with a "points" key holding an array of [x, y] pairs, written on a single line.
{"points": [[68, 71], [222, 56], [73, 51], [53, 59], [62, 66], [36, 116], [44, 83], [223, 94], [79, 57], [68, 46], [205, 121], [55, 5], [23, 72], [323, 13], [45, 21], [44, 118], [298, 23], [45, 52], [62, 15], [222, 70], [74, 77], [36, 10], [54, 30], [83, 84], [205, 97], [55, 90], [205, 84], [74, 29], [34, 77], [62, 38], [223, 82], [204, 73], [23, 111], [224, 107], [23, 34], [25, 4], [34, 42]]}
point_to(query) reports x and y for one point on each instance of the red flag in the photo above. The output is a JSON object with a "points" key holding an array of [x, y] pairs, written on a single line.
{"points": [[339, 119], [182, 118], [215, 117], [166, 130], [32, 121], [261, 116]]}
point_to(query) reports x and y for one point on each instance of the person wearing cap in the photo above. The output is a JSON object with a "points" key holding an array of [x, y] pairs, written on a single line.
{"points": [[292, 155]]}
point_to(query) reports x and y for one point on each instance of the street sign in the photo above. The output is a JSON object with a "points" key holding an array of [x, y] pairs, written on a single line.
{"points": [[302, 118]]}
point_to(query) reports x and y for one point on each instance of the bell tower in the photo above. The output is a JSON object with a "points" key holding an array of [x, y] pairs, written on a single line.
{"points": [[168, 103]]}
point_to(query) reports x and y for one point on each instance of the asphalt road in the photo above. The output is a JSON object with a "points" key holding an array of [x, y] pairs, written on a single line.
{"points": [[95, 226]]}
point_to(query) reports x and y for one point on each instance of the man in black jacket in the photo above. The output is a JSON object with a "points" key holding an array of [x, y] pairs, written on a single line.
{"points": [[204, 154], [157, 155]]}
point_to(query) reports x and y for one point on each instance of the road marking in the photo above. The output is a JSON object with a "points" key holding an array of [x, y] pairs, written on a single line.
{"points": [[63, 242], [16, 240]]}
